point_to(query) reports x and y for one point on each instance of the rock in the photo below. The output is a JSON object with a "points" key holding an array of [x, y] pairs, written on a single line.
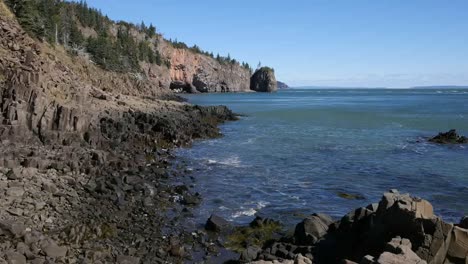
{"points": [[127, 260], [250, 254], [49, 187], [217, 224], [16, 228], [311, 229], [54, 251], [450, 137], [15, 211], [458, 249], [15, 258], [264, 80], [282, 85], [398, 251], [15, 192], [464, 222], [302, 260], [259, 222], [417, 207], [191, 199], [13, 174]]}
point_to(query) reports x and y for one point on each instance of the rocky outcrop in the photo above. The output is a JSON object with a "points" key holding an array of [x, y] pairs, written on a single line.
{"points": [[264, 80], [450, 137], [399, 229], [282, 85]]}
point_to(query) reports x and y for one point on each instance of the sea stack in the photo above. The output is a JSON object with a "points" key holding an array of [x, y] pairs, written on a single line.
{"points": [[264, 80]]}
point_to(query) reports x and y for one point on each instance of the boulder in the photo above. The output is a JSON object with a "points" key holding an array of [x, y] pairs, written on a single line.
{"points": [[450, 137], [217, 224], [250, 254], [311, 229], [264, 80]]}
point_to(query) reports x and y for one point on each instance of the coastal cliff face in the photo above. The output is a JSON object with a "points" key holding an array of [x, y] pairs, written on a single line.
{"points": [[191, 72]]}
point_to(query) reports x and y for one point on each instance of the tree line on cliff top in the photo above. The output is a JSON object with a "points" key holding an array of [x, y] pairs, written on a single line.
{"points": [[62, 23]]}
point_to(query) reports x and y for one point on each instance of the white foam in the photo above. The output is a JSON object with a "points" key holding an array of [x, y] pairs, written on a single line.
{"points": [[248, 212], [231, 161]]}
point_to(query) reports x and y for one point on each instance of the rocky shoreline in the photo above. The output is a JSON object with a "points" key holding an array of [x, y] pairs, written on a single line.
{"points": [[400, 229], [74, 204]]}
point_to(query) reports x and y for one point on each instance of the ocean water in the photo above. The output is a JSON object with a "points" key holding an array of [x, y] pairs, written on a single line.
{"points": [[294, 152]]}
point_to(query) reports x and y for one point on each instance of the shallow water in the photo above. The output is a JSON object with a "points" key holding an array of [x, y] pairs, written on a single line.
{"points": [[296, 150]]}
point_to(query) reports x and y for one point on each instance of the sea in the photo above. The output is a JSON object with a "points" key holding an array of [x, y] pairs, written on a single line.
{"points": [[303, 151]]}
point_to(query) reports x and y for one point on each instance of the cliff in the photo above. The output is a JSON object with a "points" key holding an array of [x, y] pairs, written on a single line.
{"points": [[191, 72]]}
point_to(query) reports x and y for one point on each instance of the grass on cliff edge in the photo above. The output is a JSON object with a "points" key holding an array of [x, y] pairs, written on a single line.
{"points": [[5, 11]]}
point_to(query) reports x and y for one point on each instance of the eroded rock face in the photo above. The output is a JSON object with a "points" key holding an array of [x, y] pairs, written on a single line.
{"points": [[264, 80], [193, 73]]}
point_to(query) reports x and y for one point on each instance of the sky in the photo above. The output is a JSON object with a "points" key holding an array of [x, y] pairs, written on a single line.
{"points": [[351, 43]]}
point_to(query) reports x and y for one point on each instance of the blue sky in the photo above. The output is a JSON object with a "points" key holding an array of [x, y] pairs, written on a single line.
{"points": [[372, 43]]}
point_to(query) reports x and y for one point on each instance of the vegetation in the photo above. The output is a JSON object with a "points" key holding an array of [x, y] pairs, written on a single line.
{"points": [[243, 237], [59, 23], [62, 22]]}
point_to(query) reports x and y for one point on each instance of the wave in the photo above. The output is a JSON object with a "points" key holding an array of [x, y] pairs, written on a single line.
{"points": [[250, 211], [233, 161]]}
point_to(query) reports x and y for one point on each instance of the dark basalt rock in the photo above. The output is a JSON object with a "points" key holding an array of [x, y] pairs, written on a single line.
{"points": [[264, 80], [400, 229], [217, 224], [450, 137], [312, 229]]}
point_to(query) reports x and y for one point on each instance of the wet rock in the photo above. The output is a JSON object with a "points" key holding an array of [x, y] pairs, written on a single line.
{"points": [[260, 222], [191, 199], [311, 229], [217, 224], [450, 137]]}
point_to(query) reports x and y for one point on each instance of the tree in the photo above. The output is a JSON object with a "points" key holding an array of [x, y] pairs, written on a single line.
{"points": [[151, 31]]}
